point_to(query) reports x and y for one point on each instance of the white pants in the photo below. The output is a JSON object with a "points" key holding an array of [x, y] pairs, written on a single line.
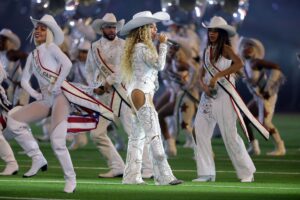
{"points": [[221, 111], [106, 147]]}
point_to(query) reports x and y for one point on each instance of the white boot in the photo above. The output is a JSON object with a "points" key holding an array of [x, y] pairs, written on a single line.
{"points": [[70, 186], [38, 163], [58, 143], [7, 155], [207, 178], [11, 168], [279, 146], [248, 179], [23, 136]]}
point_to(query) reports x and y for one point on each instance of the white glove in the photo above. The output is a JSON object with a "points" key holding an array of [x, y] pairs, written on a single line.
{"points": [[54, 89], [111, 79], [38, 96]]}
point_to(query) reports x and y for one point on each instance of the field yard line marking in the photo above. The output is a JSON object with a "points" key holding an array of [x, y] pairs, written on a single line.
{"points": [[258, 172], [266, 160], [183, 185], [28, 198], [177, 170], [221, 159]]}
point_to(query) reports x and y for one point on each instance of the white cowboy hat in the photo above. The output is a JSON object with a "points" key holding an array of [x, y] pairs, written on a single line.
{"points": [[84, 45], [219, 22], [108, 18], [11, 36], [259, 48], [143, 18], [49, 21]]}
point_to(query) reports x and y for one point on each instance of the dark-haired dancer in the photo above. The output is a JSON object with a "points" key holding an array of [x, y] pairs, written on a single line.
{"points": [[216, 106]]}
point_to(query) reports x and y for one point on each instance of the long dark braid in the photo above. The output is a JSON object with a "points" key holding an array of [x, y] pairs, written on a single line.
{"points": [[222, 39]]}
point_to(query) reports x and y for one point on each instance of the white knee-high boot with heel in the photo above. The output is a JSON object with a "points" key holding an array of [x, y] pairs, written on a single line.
{"points": [[58, 143], [22, 134], [7, 155]]}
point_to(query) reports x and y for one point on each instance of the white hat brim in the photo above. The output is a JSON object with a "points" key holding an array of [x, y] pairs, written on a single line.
{"points": [[141, 21], [229, 29], [14, 38], [58, 34], [260, 49], [97, 25]]}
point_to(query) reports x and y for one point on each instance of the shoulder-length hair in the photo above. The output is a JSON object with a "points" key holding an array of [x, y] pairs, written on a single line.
{"points": [[223, 38], [138, 35]]}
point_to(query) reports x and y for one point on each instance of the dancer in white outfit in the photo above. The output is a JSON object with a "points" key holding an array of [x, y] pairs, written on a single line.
{"points": [[140, 65], [218, 107], [9, 43], [6, 153], [47, 35], [103, 74]]}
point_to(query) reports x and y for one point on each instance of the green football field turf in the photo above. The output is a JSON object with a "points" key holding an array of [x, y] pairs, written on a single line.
{"points": [[276, 177]]}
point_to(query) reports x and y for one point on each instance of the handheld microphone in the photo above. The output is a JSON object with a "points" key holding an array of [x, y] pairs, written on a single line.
{"points": [[170, 42]]}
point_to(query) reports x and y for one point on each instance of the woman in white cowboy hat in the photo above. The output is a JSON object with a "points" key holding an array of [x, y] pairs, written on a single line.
{"points": [[105, 56], [264, 87], [44, 61], [140, 65], [216, 106]]}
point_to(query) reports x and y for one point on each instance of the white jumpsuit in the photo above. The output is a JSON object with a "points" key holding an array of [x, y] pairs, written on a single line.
{"points": [[52, 58], [219, 110]]}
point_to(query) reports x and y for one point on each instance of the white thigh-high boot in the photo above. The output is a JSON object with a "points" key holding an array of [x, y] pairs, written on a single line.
{"points": [[126, 118], [7, 155], [148, 118], [22, 134], [58, 143], [147, 165], [132, 172]]}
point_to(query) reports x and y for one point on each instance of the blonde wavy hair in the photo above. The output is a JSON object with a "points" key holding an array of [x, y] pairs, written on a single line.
{"points": [[139, 35]]}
